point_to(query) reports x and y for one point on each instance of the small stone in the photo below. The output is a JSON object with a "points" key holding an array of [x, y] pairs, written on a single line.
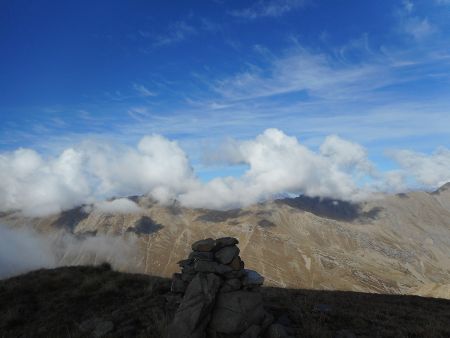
{"points": [[205, 266], [201, 255], [226, 254], [322, 308], [252, 278], [229, 285], [276, 331], [252, 332], [204, 245], [236, 263], [103, 328], [225, 241]]}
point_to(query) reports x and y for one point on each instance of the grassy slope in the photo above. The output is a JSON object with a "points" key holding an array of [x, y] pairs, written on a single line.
{"points": [[53, 303]]}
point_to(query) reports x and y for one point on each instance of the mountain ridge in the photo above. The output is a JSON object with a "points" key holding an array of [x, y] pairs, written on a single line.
{"points": [[397, 244]]}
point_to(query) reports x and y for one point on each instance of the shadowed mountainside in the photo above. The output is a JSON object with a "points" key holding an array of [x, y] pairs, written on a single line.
{"points": [[92, 301], [397, 244]]}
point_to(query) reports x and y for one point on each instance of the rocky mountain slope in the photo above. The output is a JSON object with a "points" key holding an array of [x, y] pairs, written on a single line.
{"points": [[397, 244]]}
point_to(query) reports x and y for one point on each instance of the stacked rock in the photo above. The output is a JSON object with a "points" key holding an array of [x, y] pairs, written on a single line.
{"points": [[220, 297]]}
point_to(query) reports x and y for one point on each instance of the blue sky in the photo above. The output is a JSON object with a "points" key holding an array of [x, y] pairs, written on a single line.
{"points": [[200, 72]]}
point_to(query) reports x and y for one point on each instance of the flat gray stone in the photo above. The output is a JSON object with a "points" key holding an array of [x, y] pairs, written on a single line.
{"points": [[226, 254], [225, 241], [204, 245]]}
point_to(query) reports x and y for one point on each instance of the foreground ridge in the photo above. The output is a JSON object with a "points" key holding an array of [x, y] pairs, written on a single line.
{"points": [[87, 301]]}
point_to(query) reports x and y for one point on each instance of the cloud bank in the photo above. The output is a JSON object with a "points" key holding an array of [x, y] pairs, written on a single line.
{"points": [[277, 164], [23, 249]]}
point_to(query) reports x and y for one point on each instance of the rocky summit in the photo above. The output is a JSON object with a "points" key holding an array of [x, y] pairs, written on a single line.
{"points": [[219, 297]]}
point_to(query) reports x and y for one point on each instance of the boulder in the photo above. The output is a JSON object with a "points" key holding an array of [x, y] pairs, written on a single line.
{"points": [[252, 278], [225, 241], [236, 311], [204, 245], [193, 314], [226, 254]]}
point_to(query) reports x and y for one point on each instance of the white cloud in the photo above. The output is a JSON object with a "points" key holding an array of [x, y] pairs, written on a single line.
{"points": [[92, 171], [431, 171], [117, 206], [268, 8], [277, 164], [298, 70], [280, 164]]}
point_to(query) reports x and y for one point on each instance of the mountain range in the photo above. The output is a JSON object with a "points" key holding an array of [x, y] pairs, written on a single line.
{"points": [[395, 244]]}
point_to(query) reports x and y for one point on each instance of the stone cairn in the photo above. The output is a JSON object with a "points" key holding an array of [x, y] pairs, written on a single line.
{"points": [[219, 297]]}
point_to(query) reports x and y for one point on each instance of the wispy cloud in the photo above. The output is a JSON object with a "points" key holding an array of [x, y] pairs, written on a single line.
{"points": [[142, 90], [413, 24], [139, 113], [268, 8], [177, 31]]}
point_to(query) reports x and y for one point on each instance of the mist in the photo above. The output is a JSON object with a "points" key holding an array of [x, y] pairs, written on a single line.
{"points": [[23, 249]]}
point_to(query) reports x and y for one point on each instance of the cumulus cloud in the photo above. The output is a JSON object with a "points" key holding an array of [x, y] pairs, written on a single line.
{"points": [[431, 171], [277, 164], [92, 171], [24, 249]]}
